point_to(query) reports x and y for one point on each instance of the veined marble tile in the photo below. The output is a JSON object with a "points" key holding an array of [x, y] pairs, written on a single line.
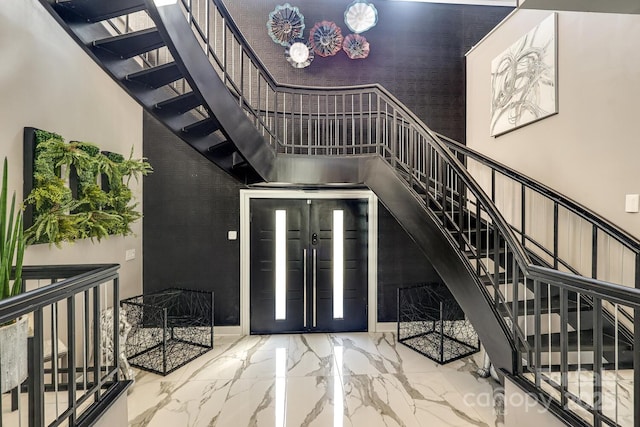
{"points": [[316, 401], [337, 380], [378, 400], [310, 355]]}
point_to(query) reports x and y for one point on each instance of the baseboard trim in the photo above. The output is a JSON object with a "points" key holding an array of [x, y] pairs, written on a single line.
{"points": [[227, 330], [386, 327]]}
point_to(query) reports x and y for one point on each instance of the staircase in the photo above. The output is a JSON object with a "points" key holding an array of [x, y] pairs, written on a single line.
{"points": [[187, 101], [541, 312]]}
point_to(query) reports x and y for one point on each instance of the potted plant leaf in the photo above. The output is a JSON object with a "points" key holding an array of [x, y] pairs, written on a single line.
{"points": [[13, 334]]}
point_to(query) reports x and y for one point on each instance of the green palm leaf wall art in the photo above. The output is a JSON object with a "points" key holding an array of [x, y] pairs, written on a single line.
{"points": [[76, 191]]}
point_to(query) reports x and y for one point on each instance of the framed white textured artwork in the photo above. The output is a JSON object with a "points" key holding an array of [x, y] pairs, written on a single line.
{"points": [[524, 85]]}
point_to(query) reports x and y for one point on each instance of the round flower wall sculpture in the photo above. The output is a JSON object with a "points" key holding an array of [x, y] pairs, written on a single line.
{"points": [[326, 38], [285, 24], [361, 16], [356, 46], [299, 53]]}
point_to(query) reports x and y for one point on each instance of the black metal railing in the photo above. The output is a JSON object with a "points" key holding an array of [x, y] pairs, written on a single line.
{"points": [[561, 232], [70, 377], [592, 370], [501, 235]]}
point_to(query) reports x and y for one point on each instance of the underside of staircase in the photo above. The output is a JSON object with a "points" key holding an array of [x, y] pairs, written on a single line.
{"points": [[210, 115]]}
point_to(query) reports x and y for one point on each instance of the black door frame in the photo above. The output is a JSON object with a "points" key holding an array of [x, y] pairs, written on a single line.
{"points": [[245, 249]]}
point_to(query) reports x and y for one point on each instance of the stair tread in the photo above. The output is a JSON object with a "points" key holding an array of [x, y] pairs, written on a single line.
{"points": [[586, 341], [131, 44], [157, 76], [95, 11], [572, 305], [202, 127], [179, 104]]}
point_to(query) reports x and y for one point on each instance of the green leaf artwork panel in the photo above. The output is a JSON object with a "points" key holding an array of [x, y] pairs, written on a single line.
{"points": [[79, 191]]}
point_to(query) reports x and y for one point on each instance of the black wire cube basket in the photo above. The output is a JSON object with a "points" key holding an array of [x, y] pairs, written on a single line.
{"points": [[168, 328], [431, 322]]}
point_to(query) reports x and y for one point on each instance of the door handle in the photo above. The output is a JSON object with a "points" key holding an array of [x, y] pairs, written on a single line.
{"points": [[315, 298], [304, 288]]}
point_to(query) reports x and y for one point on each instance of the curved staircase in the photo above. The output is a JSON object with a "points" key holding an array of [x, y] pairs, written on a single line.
{"points": [[538, 315]]}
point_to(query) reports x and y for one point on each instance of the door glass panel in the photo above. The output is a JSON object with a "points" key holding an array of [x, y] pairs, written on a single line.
{"points": [[338, 264], [281, 264]]}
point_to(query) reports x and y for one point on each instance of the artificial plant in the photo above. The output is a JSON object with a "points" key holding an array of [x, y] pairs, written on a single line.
{"points": [[97, 209], [12, 241]]}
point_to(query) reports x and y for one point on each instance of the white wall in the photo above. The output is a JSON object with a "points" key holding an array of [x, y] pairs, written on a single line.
{"points": [[47, 81], [589, 151]]}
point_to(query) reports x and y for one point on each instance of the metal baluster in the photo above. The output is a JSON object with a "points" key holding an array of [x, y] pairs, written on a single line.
{"points": [[564, 351], [597, 361], [378, 128], [616, 357], [54, 353], [97, 363], [36, 371], [537, 340], [524, 215], [369, 127], [555, 235], [71, 357], [549, 321]]}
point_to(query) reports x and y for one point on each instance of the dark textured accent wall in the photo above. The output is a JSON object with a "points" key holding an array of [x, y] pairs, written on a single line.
{"points": [[400, 264], [189, 205], [417, 52]]}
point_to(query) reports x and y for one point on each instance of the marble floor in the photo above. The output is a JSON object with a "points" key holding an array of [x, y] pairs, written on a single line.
{"points": [[346, 380]]}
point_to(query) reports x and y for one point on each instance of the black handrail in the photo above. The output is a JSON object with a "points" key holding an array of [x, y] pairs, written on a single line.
{"points": [[602, 223], [521, 255], [588, 286], [79, 278]]}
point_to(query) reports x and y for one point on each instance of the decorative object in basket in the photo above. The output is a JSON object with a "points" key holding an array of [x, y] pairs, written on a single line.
{"points": [[168, 328]]}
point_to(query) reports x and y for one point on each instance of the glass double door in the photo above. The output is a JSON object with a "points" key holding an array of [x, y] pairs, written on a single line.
{"points": [[308, 265]]}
